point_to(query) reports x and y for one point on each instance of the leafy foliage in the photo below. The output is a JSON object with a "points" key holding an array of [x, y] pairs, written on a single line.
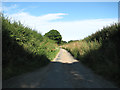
{"points": [[24, 49], [54, 35], [63, 42]]}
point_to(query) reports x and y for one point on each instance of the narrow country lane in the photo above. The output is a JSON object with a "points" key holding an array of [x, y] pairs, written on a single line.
{"points": [[63, 72]]}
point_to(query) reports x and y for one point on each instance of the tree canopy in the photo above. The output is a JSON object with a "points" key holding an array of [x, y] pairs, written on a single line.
{"points": [[54, 35]]}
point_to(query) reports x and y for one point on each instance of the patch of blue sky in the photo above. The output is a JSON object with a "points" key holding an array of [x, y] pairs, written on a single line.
{"points": [[75, 10]]}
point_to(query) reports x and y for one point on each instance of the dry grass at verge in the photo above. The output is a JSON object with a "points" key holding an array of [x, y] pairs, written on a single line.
{"points": [[80, 48]]}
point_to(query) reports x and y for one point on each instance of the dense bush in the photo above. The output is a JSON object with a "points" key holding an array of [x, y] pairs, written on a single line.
{"points": [[23, 49], [100, 51]]}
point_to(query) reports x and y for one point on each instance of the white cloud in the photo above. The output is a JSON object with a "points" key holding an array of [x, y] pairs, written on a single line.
{"points": [[0, 9], [26, 17], [52, 16], [71, 30]]}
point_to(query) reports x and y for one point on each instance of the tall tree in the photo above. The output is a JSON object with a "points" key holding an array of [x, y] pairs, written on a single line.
{"points": [[54, 35]]}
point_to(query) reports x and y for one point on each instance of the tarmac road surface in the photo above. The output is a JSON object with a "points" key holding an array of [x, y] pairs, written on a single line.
{"points": [[63, 72]]}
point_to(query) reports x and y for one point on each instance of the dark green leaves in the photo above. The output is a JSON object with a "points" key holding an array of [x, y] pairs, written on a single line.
{"points": [[54, 35]]}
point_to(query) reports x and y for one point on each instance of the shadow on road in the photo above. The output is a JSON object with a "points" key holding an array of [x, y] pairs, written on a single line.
{"points": [[58, 75]]}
